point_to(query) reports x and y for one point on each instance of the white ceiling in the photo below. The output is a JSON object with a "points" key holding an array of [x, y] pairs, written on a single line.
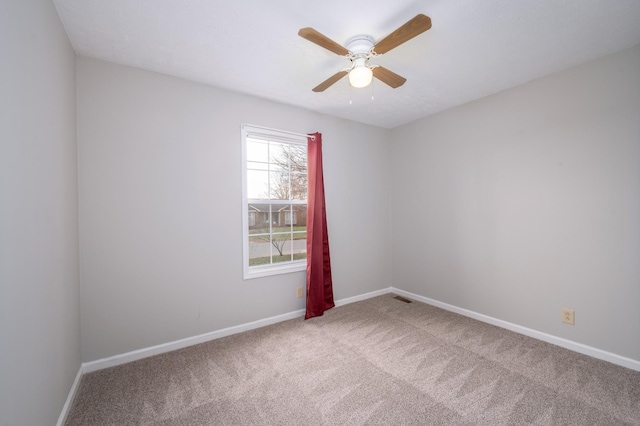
{"points": [[475, 48]]}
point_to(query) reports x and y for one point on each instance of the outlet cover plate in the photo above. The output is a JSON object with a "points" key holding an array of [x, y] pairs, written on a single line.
{"points": [[568, 316]]}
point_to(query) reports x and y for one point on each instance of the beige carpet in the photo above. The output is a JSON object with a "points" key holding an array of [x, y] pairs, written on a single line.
{"points": [[376, 362]]}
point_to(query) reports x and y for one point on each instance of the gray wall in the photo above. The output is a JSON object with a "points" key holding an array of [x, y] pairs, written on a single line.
{"points": [[160, 208], [39, 293], [525, 202]]}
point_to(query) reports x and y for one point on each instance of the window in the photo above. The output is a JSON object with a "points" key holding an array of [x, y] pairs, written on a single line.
{"points": [[274, 201], [290, 218]]}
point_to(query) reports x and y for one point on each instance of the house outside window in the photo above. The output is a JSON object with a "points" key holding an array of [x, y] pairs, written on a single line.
{"points": [[274, 201]]}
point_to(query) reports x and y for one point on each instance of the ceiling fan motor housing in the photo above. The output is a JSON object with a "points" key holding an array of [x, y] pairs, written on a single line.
{"points": [[360, 45]]}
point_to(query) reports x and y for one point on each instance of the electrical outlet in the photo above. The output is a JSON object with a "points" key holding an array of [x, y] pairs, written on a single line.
{"points": [[300, 292], [568, 316]]}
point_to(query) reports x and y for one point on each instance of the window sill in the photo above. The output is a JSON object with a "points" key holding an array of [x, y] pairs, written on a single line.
{"points": [[258, 272]]}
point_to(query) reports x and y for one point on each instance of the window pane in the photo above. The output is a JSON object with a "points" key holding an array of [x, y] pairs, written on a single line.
{"points": [[259, 250], [299, 186], [300, 214], [299, 231], [282, 248], [257, 150], [259, 219], [257, 184], [299, 244], [298, 156], [278, 217], [280, 186], [277, 154]]}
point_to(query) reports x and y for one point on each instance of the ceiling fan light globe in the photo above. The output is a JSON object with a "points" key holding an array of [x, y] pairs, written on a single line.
{"points": [[360, 77]]}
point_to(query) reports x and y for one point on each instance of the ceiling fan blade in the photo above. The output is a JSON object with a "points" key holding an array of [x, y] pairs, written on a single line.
{"points": [[388, 77], [330, 81], [419, 24], [322, 41]]}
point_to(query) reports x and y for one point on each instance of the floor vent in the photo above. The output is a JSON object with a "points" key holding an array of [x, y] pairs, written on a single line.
{"points": [[402, 299]]}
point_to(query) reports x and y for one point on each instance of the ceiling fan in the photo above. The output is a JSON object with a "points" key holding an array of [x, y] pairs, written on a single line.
{"points": [[361, 48]]}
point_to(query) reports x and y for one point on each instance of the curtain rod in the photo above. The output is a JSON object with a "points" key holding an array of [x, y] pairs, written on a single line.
{"points": [[278, 130]]}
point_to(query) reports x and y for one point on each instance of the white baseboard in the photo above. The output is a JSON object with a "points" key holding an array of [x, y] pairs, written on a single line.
{"points": [[558, 341], [100, 364], [72, 394], [183, 343], [365, 296]]}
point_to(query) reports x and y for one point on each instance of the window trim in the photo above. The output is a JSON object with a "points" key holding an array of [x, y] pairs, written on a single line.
{"points": [[258, 132]]}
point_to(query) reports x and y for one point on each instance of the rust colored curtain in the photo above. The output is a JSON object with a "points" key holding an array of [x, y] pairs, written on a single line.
{"points": [[319, 284]]}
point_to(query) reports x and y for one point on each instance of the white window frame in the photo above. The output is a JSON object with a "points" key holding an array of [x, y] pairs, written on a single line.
{"points": [[257, 132]]}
